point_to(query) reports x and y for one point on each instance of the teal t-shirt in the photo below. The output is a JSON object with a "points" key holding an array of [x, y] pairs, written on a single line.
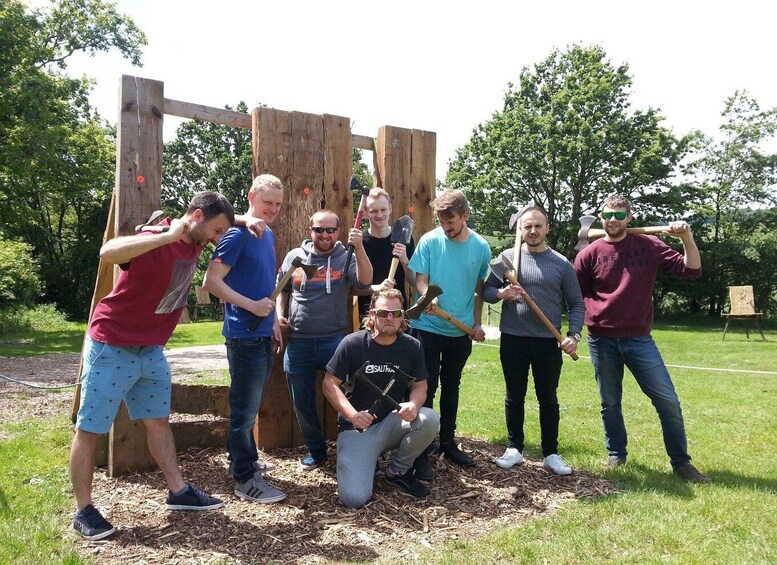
{"points": [[456, 268]]}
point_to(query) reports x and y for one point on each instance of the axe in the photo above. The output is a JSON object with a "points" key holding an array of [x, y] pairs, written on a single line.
{"points": [[432, 292], [357, 222], [400, 233], [400, 379], [309, 270], [148, 227], [586, 234], [515, 222], [504, 270]]}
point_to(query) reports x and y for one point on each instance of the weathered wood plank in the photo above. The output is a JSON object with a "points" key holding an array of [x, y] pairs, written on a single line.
{"points": [[200, 399], [423, 179], [220, 116], [363, 142]]}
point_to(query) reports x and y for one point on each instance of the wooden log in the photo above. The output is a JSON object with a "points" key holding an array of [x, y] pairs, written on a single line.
{"points": [[200, 399], [220, 116], [201, 433]]}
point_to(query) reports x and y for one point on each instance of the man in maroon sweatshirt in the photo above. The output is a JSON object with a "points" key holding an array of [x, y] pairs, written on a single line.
{"points": [[616, 275]]}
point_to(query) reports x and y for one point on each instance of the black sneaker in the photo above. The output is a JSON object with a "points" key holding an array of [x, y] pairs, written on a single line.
{"points": [[192, 499], [691, 474], [91, 525], [407, 484], [309, 463], [422, 469], [451, 451]]}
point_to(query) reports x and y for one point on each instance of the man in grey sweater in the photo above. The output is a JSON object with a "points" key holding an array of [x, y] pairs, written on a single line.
{"points": [[549, 278]]}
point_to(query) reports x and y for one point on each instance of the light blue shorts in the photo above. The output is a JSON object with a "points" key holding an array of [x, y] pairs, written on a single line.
{"points": [[138, 375]]}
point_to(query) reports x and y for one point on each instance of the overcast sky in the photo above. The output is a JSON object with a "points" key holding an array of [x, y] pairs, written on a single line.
{"points": [[439, 66]]}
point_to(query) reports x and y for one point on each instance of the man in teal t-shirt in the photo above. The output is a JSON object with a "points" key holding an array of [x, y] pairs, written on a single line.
{"points": [[456, 259]]}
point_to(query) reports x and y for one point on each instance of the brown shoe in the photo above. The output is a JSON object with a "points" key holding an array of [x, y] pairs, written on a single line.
{"points": [[615, 461], [691, 474]]}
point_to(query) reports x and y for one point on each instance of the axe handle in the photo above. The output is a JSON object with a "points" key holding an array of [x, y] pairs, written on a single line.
{"points": [[273, 296], [393, 268], [540, 314], [458, 323], [651, 230]]}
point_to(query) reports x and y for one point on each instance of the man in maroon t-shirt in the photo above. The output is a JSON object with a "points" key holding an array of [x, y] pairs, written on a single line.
{"points": [[616, 276], [123, 357]]}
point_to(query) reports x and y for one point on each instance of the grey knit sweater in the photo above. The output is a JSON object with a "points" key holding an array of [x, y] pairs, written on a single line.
{"points": [[549, 278]]}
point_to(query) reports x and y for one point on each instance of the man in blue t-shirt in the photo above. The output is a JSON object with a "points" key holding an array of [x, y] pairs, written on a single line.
{"points": [[456, 259], [242, 274]]}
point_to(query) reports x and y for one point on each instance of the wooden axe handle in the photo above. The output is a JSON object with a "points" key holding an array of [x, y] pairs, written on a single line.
{"points": [[278, 288], [393, 269], [540, 314], [458, 323], [651, 230]]}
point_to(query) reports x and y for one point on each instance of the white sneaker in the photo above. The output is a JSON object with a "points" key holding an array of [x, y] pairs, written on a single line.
{"points": [[511, 457], [556, 464]]}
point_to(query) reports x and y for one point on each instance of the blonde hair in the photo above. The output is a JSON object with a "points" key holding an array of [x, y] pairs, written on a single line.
{"points": [[387, 293], [264, 182], [377, 192]]}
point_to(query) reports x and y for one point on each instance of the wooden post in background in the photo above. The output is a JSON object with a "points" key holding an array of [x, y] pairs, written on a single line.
{"points": [[311, 154], [137, 193]]}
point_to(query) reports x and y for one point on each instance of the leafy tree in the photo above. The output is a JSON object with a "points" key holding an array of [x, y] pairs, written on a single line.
{"points": [[565, 138], [56, 159], [19, 280]]}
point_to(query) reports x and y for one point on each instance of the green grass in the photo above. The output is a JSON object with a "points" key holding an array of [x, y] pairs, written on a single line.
{"points": [[731, 422]]}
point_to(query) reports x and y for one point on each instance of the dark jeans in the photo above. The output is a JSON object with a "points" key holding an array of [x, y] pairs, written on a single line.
{"points": [[250, 360], [445, 359], [304, 357], [544, 357], [641, 356]]}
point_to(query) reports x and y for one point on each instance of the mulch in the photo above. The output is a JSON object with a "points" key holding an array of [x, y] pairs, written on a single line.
{"points": [[311, 525]]}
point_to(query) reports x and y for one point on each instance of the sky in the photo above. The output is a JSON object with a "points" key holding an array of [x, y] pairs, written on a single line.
{"points": [[439, 66]]}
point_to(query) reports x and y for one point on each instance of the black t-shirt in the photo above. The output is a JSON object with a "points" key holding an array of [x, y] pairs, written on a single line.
{"points": [[359, 347], [379, 252]]}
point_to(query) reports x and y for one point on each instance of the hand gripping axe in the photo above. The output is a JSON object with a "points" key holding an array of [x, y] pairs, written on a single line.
{"points": [[402, 232], [309, 271], [432, 292], [400, 379], [362, 190], [504, 270]]}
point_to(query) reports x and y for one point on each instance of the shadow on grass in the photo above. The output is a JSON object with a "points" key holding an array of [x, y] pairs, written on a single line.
{"points": [[38, 343]]}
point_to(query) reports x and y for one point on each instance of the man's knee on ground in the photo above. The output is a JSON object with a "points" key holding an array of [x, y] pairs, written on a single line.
{"points": [[355, 498], [429, 417]]}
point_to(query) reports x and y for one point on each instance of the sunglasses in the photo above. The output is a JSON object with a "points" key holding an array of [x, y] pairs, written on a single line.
{"points": [[381, 313], [617, 215], [319, 229]]}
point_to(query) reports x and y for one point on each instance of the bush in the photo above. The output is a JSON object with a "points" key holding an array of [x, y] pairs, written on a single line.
{"points": [[19, 280], [40, 318]]}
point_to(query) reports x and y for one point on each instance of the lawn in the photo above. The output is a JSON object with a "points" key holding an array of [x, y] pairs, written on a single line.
{"points": [[732, 429]]}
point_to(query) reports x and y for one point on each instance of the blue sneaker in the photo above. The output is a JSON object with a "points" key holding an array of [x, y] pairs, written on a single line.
{"points": [[192, 499], [91, 525], [309, 463]]}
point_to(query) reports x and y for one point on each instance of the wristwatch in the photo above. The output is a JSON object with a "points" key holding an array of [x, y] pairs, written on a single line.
{"points": [[576, 336]]}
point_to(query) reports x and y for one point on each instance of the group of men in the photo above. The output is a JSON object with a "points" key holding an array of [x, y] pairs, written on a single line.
{"points": [[381, 380]]}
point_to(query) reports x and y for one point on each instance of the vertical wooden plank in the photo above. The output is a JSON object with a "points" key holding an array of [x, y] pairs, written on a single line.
{"points": [[423, 179], [137, 193], [393, 160]]}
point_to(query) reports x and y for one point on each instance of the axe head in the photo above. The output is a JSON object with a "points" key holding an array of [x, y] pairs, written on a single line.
{"points": [[309, 270], [499, 270], [432, 292], [517, 216], [359, 187], [582, 235], [402, 230]]}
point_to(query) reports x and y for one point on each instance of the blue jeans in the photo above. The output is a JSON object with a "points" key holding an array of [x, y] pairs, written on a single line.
{"points": [[358, 452], [303, 358], [250, 360], [641, 356]]}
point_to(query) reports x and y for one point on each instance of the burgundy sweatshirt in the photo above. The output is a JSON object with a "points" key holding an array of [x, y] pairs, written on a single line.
{"points": [[617, 283]]}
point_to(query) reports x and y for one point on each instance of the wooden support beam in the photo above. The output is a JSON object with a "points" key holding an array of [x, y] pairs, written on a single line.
{"points": [[220, 116], [363, 142]]}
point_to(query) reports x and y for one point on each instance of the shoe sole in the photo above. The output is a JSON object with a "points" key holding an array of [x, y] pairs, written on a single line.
{"points": [[461, 463], [506, 464], [559, 473], [403, 492], [266, 500], [196, 508], [96, 537]]}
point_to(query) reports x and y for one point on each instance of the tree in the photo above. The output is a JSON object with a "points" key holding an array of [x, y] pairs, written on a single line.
{"points": [[56, 159], [19, 280], [564, 139]]}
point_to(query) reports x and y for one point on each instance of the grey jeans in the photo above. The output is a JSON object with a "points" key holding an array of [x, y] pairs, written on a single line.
{"points": [[358, 452]]}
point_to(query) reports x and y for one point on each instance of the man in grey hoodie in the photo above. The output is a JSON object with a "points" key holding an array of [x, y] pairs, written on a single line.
{"points": [[315, 311]]}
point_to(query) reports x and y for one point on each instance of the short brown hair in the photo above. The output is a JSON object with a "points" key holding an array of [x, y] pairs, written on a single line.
{"points": [[617, 201], [324, 211], [450, 203], [387, 293]]}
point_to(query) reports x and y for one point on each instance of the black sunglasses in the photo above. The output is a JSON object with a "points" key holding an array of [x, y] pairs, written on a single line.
{"points": [[319, 229]]}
